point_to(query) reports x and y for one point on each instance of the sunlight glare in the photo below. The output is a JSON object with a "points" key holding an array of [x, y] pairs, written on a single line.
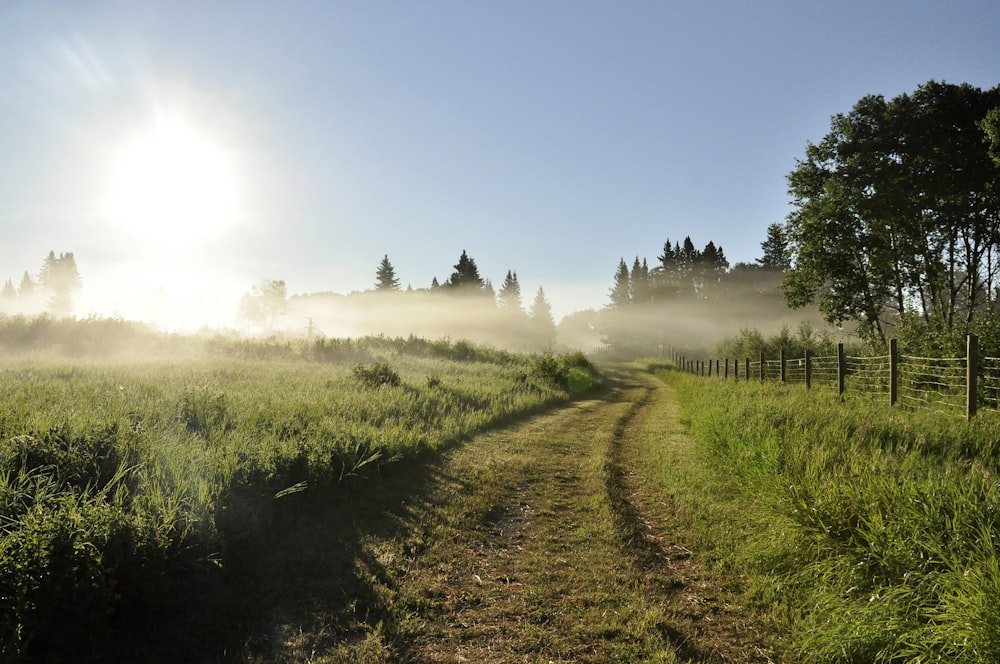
{"points": [[173, 186]]}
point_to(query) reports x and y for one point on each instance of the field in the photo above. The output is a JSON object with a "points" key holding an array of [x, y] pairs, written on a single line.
{"points": [[401, 500], [129, 482], [876, 528]]}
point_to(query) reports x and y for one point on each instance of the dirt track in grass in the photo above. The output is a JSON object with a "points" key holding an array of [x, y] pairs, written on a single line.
{"points": [[551, 540]]}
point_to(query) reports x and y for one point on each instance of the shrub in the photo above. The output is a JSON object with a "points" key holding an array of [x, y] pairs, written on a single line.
{"points": [[377, 375]]}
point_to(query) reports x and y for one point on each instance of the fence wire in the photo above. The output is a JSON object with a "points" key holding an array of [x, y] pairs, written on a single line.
{"points": [[927, 383], [933, 382], [824, 371], [867, 375], [989, 381]]}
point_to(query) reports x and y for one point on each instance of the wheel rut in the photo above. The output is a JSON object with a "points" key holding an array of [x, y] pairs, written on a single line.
{"points": [[557, 556]]}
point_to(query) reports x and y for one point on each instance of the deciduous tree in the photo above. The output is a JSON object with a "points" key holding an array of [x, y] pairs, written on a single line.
{"points": [[896, 210]]}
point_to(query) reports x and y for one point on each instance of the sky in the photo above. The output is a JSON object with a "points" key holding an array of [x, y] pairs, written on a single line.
{"points": [[185, 151]]}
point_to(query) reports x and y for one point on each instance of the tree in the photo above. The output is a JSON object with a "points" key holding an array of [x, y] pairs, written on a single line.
{"points": [[709, 270], [27, 287], [386, 276], [621, 290], [639, 286], [991, 125], [897, 210], [264, 303], [509, 298], [542, 325], [60, 280], [775, 249], [466, 275], [9, 292]]}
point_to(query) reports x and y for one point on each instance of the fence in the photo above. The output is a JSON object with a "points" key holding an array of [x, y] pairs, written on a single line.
{"points": [[952, 385]]}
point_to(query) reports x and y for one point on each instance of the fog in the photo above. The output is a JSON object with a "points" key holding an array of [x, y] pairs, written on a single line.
{"points": [[218, 304]]}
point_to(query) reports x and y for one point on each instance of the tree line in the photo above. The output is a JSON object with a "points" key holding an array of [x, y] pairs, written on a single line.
{"points": [[51, 290], [464, 304]]}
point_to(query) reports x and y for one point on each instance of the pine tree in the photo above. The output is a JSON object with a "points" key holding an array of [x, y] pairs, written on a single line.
{"points": [[27, 287], [434, 284], [620, 295], [543, 326], [639, 286], [775, 249], [60, 279], [466, 275], [710, 269], [386, 276], [510, 293], [8, 292]]}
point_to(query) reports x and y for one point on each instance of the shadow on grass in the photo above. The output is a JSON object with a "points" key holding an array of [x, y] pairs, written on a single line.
{"points": [[298, 579]]}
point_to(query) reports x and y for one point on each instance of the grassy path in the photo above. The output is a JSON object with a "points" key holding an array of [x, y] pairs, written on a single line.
{"points": [[566, 538]]}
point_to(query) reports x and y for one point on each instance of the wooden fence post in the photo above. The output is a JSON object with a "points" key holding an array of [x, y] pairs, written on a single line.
{"points": [[746, 368], [971, 367], [841, 368], [893, 372], [710, 368], [761, 372], [725, 376], [809, 367], [781, 358]]}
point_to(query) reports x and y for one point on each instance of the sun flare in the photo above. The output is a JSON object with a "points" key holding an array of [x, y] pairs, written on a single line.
{"points": [[172, 185]]}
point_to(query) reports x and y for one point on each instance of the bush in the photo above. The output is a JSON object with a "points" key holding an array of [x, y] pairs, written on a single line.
{"points": [[377, 375], [572, 371]]}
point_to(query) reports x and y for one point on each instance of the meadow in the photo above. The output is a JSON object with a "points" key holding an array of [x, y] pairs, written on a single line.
{"points": [[129, 480], [868, 532]]}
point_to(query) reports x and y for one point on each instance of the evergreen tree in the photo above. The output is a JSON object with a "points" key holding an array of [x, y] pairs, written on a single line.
{"points": [[435, 284], [639, 286], [543, 326], [510, 293], [8, 292], [27, 287], [386, 276], [466, 275], [665, 278], [60, 280], [620, 292], [775, 247], [710, 270]]}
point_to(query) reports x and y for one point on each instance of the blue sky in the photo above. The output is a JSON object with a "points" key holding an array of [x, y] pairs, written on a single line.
{"points": [[549, 137]]}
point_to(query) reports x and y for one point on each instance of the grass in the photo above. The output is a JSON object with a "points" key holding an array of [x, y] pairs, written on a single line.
{"points": [[878, 526], [127, 483]]}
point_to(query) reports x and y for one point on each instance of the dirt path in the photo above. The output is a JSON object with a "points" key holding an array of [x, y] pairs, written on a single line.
{"points": [[547, 541]]}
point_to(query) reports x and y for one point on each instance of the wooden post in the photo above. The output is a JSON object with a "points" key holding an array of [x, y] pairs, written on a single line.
{"points": [[746, 368], [971, 367], [710, 368], [893, 372], [809, 368], [725, 376], [781, 358], [841, 368], [761, 372]]}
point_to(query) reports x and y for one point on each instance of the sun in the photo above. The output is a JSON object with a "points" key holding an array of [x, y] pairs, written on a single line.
{"points": [[171, 185]]}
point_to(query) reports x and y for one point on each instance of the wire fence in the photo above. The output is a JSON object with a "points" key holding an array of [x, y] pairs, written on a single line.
{"points": [[949, 385]]}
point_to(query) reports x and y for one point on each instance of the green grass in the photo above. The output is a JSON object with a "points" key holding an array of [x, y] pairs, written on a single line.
{"points": [[878, 526], [128, 483]]}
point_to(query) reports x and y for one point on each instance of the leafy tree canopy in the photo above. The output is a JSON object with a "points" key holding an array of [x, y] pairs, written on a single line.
{"points": [[897, 209]]}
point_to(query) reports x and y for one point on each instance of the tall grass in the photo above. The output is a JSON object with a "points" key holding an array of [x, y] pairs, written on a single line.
{"points": [[124, 481], [878, 527]]}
